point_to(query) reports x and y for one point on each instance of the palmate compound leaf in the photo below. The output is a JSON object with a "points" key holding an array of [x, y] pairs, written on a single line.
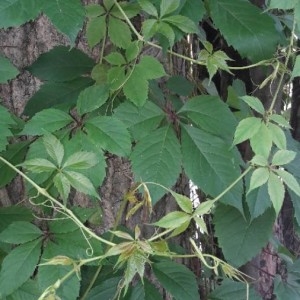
{"points": [[177, 279], [239, 239], [167, 7], [119, 32], [47, 120], [211, 165], [14, 13], [261, 141], [8, 70], [66, 15], [244, 26], [157, 158], [20, 232], [18, 266]]}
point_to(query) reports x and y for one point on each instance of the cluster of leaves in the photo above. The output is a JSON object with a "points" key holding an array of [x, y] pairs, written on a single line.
{"points": [[85, 110]]}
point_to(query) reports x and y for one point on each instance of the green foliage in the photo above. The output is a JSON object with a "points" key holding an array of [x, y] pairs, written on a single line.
{"points": [[8, 71], [235, 234], [136, 104], [235, 21]]}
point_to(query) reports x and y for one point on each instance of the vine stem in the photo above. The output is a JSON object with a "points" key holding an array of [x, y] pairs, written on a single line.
{"points": [[233, 184], [186, 58], [44, 192], [289, 52]]}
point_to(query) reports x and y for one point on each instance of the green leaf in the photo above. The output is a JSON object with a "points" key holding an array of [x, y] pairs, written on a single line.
{"points": [[276, 192], [18, 266], [150, 67], [210, 164], [181, 22], [254, 103], [177, 279], [132, 51], [20, 232], [211, 114], [246, 129], [280, 120], [83, 142], [110, 134], [258, 201], [229, 290], [92, 98], [116, 77], [183, 202], [63, 186], [204, 207], [136, 87], [167, 7], [7, 71], [39, 165], [28, 291], [180, 85], [296, 69], [95, 30], [94, 10], [61, 64], [144, 291], [66, 15], [49, 274], [283, 157], [239, 19], [13, 213], [173, 219], [239, 239], [193, 9], [119, 33], [15, 154], [278, 4], [47, 120], [115, 58], [14, 13], [81, 183], [81, 160], [261, 141], [131, 10], [54, 148], [278, 136], [156, 158], [260, 160], [107, 289], [53, 94], [148, 7], [140, 121], [289, 180], [258, 178]]}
